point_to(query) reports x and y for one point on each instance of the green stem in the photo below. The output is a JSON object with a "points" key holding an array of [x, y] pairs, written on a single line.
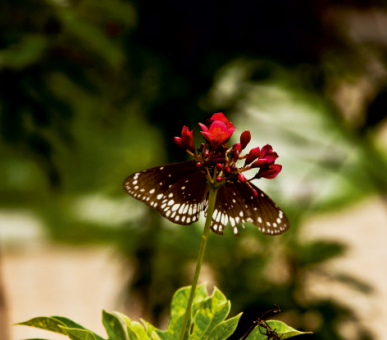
{"points": [[210, 210]]}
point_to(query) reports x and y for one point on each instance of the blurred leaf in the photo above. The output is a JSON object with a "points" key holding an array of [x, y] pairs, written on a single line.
{"points": [[27, 51], [319, 251], [353, 282]]}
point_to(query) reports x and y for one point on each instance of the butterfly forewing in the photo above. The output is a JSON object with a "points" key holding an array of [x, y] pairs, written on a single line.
{"points": [[237, 204], [178, 191]]}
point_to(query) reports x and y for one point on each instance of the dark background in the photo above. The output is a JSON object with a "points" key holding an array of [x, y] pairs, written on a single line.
{"points": [[91, 92]]}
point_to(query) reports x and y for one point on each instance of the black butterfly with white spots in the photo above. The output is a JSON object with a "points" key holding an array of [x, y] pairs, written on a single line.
{"points": [[180, 192]]}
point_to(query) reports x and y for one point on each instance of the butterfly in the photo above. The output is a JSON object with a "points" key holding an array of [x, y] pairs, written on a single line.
{"points": [[179, 192]]}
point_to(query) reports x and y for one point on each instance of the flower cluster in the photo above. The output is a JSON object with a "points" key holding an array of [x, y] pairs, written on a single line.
{"points": [[218, 161]]}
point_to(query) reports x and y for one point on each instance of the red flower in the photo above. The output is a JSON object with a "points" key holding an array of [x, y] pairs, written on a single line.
{"points": [[217, 130], [269, 171], [186, 141]]}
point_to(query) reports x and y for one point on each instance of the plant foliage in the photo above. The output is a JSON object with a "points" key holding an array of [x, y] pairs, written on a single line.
{"points": [[208, 321]]}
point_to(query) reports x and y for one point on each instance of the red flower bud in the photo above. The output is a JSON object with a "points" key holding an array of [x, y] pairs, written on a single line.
{"points": [[206, 154], [179, 143], [241, 177], [269, 171], [198, 164], [245, 138], [186, 140], [253, 155], [219, 179], [259, 163], [228, 170], [219, 166], [255, 193]]}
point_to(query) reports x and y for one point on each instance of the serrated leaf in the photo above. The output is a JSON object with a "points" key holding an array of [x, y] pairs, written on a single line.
{"points": [[180, 301], [283, 330], [44, 322], [72, 324], [223, 330], [212, 312], [136, 330], [113, 326], [79, 334]]}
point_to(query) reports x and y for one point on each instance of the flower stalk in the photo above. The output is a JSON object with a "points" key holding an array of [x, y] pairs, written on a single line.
{"points": [[210, 210]]}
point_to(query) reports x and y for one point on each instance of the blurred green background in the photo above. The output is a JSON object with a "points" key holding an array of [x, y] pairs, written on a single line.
{"points": [[91, 92]]}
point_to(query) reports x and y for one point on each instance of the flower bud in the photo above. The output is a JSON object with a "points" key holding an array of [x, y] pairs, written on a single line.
{"points": [[187, 139], [241, 177], [258, 163], [253, 155], [198, 164], [269, 171], [255, 193], [245, 138], [219, 166], [206, 154], [179, 143], [219, 179], [228, 170]]}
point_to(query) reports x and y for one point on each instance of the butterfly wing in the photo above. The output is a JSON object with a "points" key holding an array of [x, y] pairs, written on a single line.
{"points": [[237, 204], [178, 191]]}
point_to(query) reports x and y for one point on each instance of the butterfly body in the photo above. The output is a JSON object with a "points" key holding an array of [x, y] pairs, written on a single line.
{"points": [[179, 192]]}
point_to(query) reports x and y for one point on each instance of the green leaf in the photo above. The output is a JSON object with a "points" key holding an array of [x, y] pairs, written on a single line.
{"points": [[180, 301], [72, 324], [136, 330], [283, 330], [225, 328], [113, 326], [150, 329], [155, 336], [79, 334], [47, 323], [212, 312]]}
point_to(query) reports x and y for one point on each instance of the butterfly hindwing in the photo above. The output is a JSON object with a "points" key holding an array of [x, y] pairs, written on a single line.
{"points": [[178, 191], [237, 204]]}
